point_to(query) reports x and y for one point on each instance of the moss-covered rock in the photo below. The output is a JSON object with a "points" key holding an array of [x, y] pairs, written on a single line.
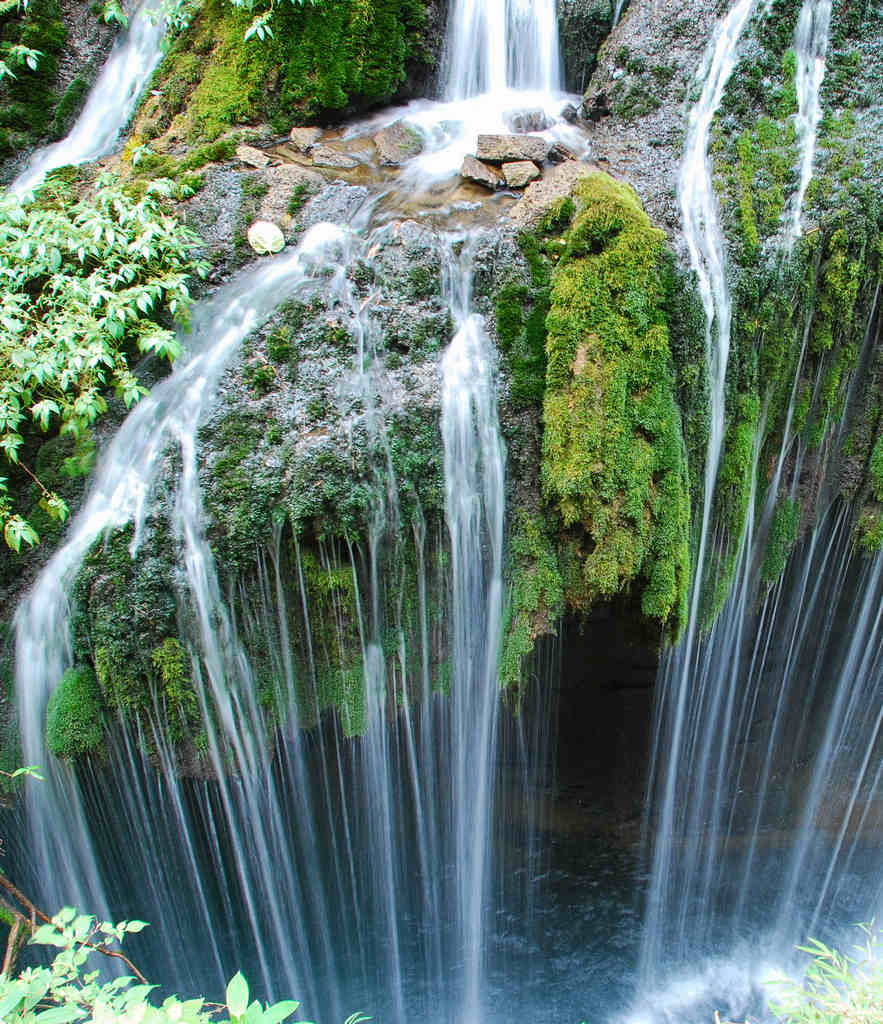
{"points": [[74, 722], [321, 59], [614, 467]]}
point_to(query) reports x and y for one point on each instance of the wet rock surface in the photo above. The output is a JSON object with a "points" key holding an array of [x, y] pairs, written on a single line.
{"points": [[636, 101], [303, 139], [520, 173], [481, 173], [499, 149], [397, 143]]}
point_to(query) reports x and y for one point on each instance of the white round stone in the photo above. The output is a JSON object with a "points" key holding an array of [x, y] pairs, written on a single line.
{"points": [[265, 237]]}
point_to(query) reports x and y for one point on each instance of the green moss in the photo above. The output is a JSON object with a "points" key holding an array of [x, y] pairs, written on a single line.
{"points": [[70, 105], [783, 533], [327, 57], [613, 457], [870, 531], [279, 343], [74, 723], [28, 102], [172, 664], [876, 469], [536, 595]]}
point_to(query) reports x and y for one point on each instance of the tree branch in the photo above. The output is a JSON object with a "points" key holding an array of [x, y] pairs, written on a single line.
{"points": [[35, 913]]}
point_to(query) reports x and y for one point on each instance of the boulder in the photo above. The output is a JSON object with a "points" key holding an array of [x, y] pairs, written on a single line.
{"points": [[265, 237], [520, 173], [397, 143], [570, 114], [325, 156], [501, 149], [251, 156], [523, 121], [303, 139], [481, 174]]}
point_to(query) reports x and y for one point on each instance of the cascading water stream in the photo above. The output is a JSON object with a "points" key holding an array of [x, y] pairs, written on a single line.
{"points": [[119, 495], [771, 688], [499, 45], [110, 104], [810, 46]]}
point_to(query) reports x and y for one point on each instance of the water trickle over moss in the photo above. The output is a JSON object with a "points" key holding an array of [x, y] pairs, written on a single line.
{"points": [[614, 468]]}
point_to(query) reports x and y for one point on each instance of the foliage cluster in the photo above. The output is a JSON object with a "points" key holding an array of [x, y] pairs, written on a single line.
{"points": [[837, 988], [66, 992], [613, 464], [88, 285]]}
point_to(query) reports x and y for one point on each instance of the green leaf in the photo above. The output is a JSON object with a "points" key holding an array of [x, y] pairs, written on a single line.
{"points": [[279, 1011], [60, 1015], [237, 995]]}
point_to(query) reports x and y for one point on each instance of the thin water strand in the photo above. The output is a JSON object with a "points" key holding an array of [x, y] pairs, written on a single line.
{"points": [[110, 104], [810, 46]]}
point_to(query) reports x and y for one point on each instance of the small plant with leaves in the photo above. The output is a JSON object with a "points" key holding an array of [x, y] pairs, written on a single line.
{"points": [[87, 285], [837, 988], [66, 992]]}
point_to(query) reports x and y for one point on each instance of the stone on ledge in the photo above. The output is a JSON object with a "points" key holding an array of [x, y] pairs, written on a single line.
{"points": [[265, 237], [397, 143], [520, 173], [501, 149], [303, 139], [251, 156], [481, 174]]}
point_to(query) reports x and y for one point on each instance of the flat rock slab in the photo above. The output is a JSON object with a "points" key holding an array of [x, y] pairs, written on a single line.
{"points": [[502, 149], [480, 173], [540, 196], [303, 139], [325, 156], [523, 121], [397, 143], [520, 173], [251, 156]]}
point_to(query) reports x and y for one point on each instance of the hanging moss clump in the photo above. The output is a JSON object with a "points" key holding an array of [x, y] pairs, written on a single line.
{"points": [[74, 714], [614, 467]]}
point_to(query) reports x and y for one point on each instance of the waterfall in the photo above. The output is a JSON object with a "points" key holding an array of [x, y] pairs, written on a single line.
{"points": [[494, 45], [810, 46], [320, 900], [110, 105], [119, 494], [705, 241]]}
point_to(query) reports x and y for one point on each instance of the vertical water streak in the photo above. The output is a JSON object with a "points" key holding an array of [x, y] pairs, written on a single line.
{"points": [[493, 45], [810, 46], [474, 506], [110, 104]]}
